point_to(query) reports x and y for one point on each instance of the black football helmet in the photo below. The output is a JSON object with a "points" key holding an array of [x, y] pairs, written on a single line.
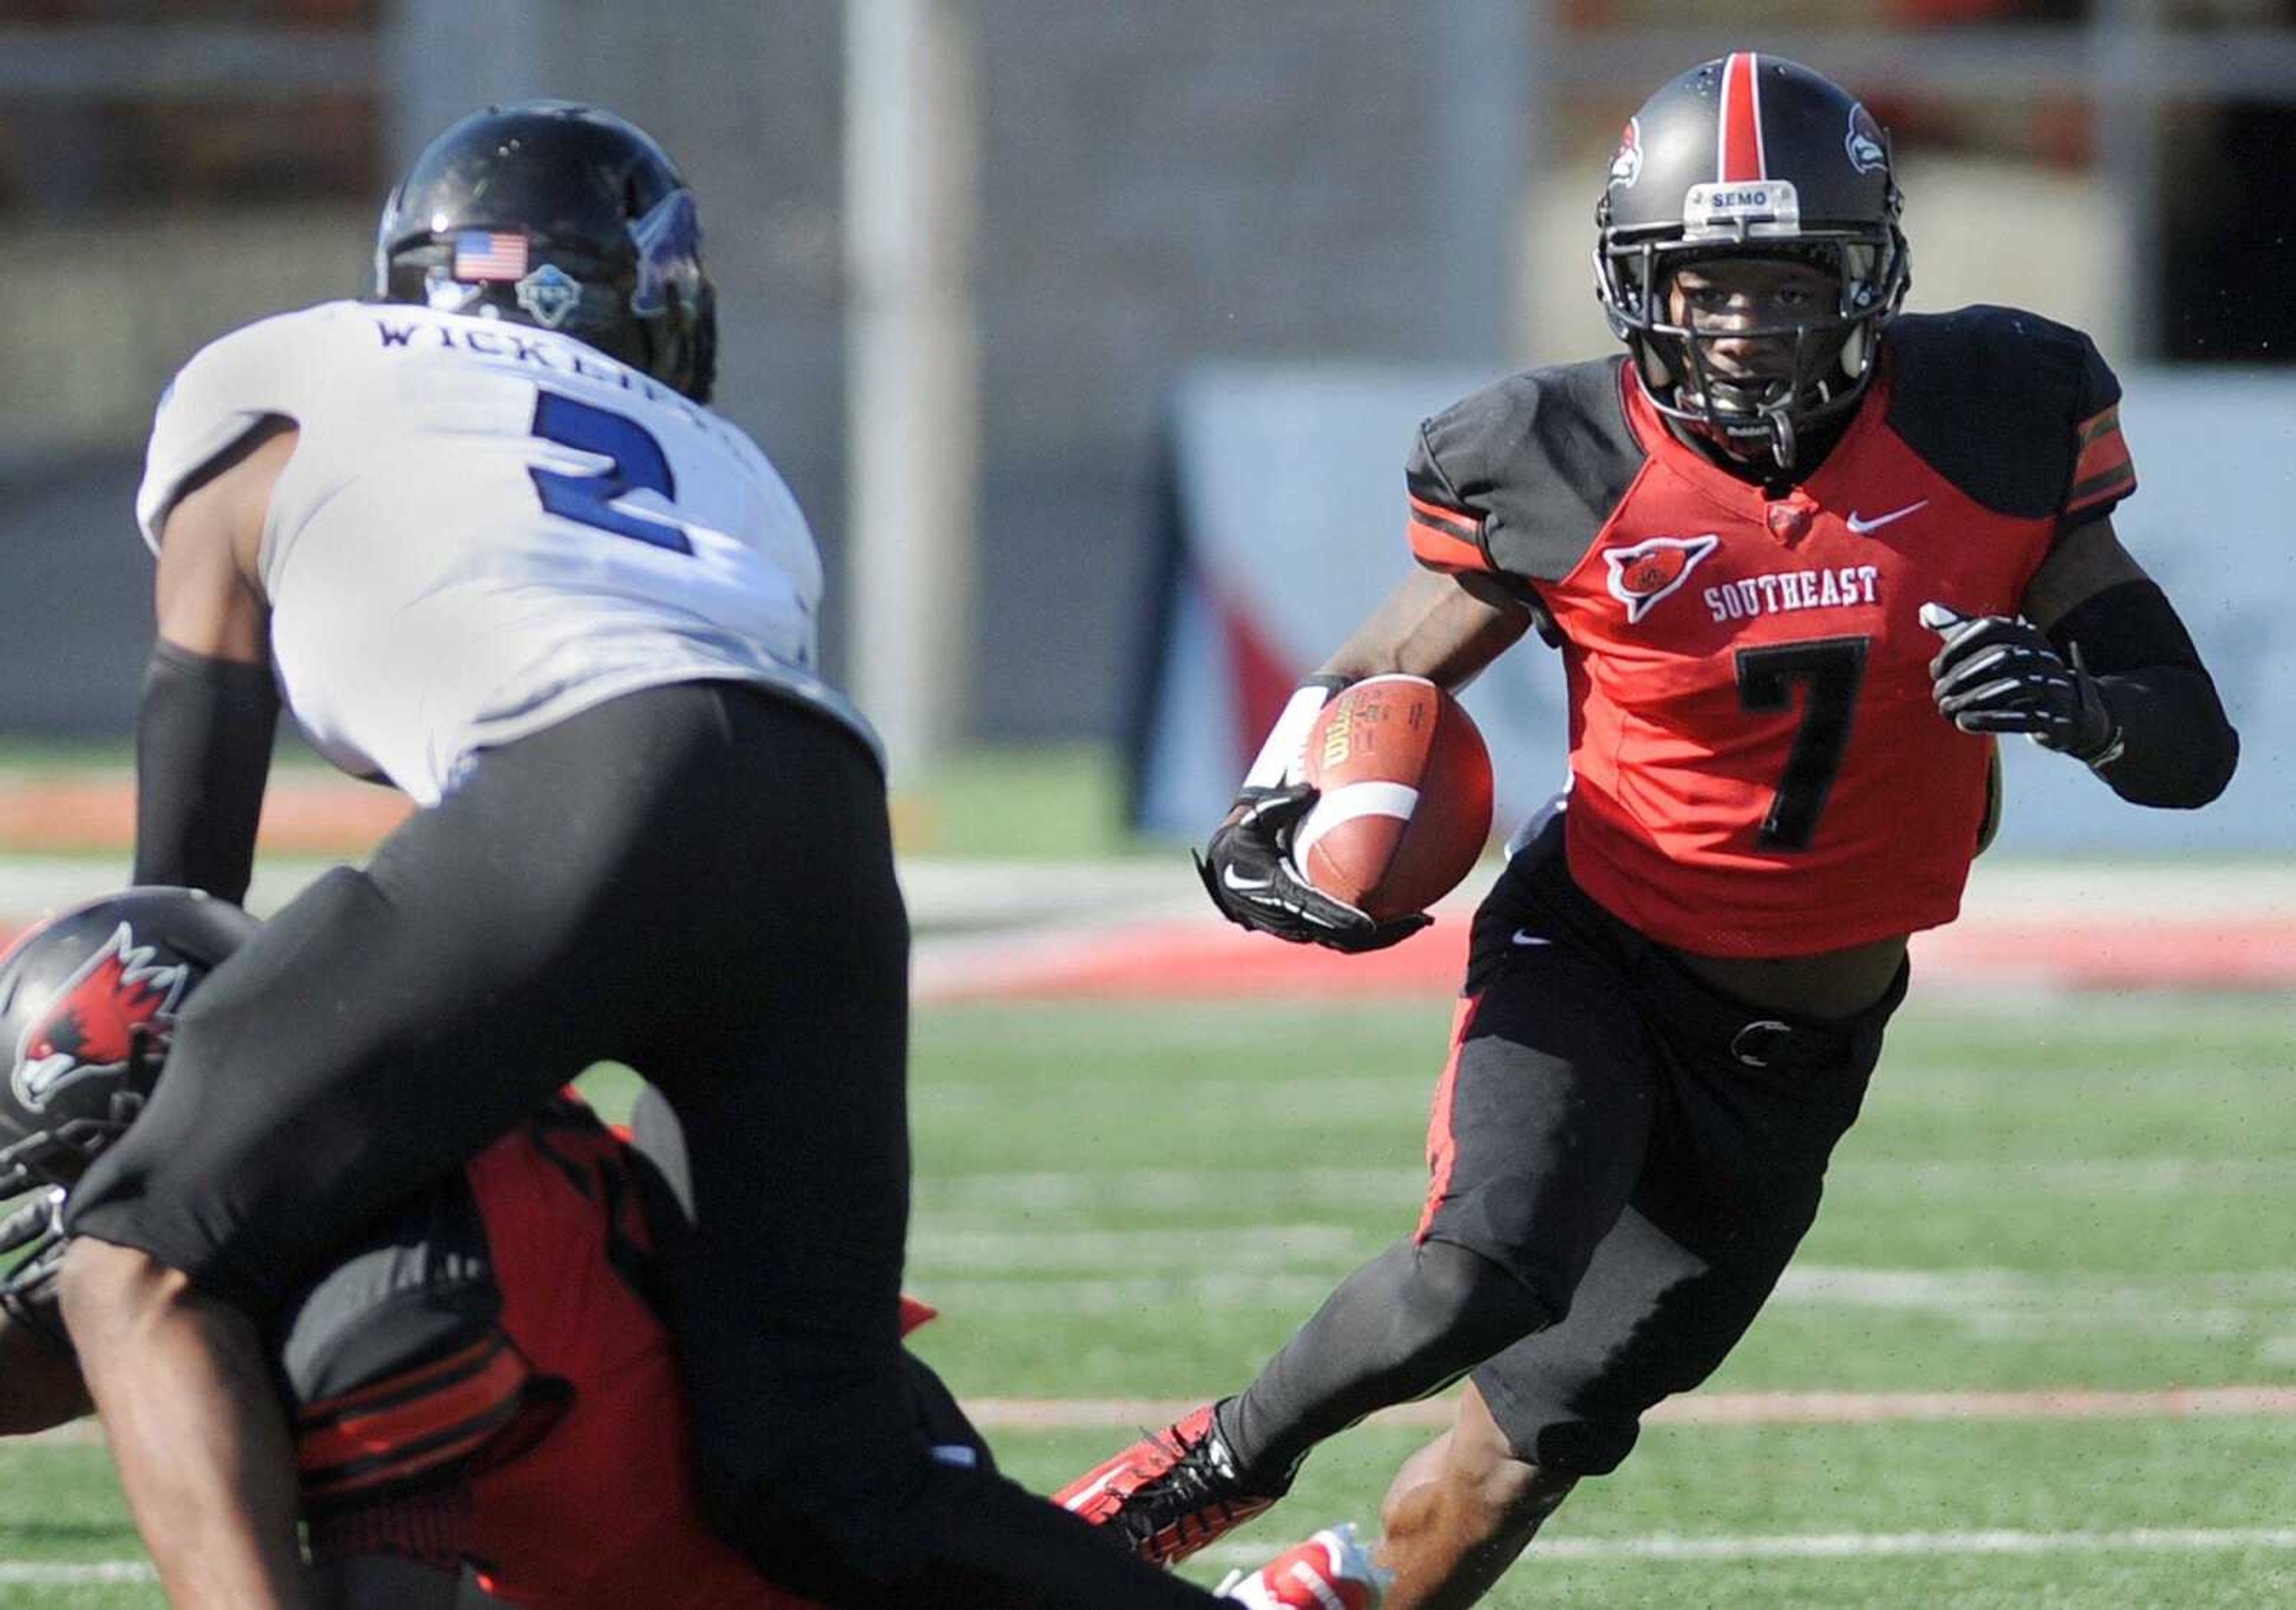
{"points": [[88, 1001], [563, 217], [1752, 155]]}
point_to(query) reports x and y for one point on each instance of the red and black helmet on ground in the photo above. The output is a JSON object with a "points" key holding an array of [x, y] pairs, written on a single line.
{"points": [[88, 1002], [1752, 156]]}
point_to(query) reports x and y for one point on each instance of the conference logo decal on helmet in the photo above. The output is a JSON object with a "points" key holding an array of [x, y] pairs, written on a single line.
{"points": [[551, 295], [1655, 569], [1867, 154], [92, 1026], [1627, 166]]}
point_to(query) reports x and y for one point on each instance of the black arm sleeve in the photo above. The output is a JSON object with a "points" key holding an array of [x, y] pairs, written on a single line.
{"points": [[202, 754], [2176, 748]]}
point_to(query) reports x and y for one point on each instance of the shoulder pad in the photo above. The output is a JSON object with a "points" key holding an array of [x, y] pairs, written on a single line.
{"points": [[230, 387], [1998, 400], [1524, 472]]}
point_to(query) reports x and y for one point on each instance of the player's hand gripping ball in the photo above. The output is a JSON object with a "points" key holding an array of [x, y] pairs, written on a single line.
{"points": [[1247, 871], [1404, 798]]}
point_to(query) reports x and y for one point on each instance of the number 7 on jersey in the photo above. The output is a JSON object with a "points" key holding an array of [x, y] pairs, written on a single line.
{"points": [[1832, 669]]}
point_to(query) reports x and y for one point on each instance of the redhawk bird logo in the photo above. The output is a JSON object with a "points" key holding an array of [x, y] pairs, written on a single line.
{"points": [[91, 1025], [1627, 164], [1864, 141], [1649, 570]]}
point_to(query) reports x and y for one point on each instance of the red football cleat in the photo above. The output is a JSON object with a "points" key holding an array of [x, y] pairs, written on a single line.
{"points": [[1331, 1570], [1169, 1494]]}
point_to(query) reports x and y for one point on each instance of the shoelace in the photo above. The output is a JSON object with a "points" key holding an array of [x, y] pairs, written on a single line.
{"points": [[1194, 1484]]}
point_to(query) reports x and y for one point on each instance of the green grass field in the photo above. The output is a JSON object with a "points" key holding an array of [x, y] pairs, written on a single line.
{"points": [[1141, 1202]]}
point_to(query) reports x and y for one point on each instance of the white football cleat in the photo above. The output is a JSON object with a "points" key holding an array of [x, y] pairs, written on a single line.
{"points": [[1331, 1570]]}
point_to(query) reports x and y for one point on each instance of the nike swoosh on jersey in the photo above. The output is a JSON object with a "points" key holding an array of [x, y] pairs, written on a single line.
{"points": [[1859, 525], [1524, 937]]}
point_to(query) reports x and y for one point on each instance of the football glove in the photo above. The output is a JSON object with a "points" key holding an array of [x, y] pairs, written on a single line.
{"points": [[33, 1236], [1995, 674], [1247, 871]]}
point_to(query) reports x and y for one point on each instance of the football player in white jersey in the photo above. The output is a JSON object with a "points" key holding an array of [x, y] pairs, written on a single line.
{"points": [[486, 541]]}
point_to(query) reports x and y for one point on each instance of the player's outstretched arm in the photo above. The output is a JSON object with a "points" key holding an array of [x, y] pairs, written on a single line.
{"points": [[204, 727], [1446, 628], [2105, 672]]}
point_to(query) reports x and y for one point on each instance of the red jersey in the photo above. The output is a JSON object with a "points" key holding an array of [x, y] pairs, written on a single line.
{"points": [[541, 1432], [1757, 766]]}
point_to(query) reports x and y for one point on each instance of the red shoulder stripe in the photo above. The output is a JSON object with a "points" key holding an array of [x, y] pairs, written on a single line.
{"points": [[1445, 539], [2104, 471]]}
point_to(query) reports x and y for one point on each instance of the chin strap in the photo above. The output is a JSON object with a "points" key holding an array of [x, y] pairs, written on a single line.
{"points": [[1782, 438]]}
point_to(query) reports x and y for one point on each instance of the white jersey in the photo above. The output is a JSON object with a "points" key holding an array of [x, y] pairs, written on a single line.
{"points": [[485, 528]]}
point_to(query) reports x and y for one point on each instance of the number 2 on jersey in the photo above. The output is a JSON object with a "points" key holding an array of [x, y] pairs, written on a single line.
{"points": [[638, 463], [1831, 668]]}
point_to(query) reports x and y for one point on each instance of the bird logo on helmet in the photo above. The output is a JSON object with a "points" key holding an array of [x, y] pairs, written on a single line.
{"points": [[1751, 155], [89, 1001], [121, 1001], [563, 217]]}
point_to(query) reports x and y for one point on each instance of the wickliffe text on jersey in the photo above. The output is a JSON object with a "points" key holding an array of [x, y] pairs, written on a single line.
{"points": [[1785, 590], [526, 346]]}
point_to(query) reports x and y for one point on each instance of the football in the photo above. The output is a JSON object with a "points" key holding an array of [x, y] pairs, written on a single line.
{"points": [[1406, 802]]}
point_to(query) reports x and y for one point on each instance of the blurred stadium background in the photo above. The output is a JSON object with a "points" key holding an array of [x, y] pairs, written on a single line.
{"points": [[1090, 337]]}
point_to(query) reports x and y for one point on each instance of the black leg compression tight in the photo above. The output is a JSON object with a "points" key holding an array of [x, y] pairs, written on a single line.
{"points": [[1406, 1324]]}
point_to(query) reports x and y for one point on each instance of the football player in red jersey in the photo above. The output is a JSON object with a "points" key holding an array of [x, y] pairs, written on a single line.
{"points": [[1804, 559], [485, 1405]]}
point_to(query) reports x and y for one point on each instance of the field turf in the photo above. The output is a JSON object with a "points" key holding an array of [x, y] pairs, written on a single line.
{"points": [[1140, 1202]]}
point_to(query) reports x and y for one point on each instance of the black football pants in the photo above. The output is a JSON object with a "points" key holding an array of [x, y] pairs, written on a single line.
{"points": [[1623, 1162], [696, 880]]}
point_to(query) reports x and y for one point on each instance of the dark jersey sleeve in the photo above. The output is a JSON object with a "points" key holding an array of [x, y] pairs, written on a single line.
{"points": [[2019, 412], [1516, 480]]}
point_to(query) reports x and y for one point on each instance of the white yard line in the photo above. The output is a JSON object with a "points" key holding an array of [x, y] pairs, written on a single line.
{"points": [[1697, 1408], [1871, 1545], [1723, 1408], [1657, 1547], [73, 1574], [1233, 1189]]}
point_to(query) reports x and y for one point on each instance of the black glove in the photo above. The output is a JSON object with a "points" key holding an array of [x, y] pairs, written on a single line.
{"points": [[1995, 674], [1247, 871], [28, 1291]]}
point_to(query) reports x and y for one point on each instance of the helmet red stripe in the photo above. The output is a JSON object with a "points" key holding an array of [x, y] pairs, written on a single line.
{"points": [[1741, 154]]}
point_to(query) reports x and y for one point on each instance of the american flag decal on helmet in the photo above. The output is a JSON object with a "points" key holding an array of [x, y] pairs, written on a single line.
{"points": [[489, 254]]}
